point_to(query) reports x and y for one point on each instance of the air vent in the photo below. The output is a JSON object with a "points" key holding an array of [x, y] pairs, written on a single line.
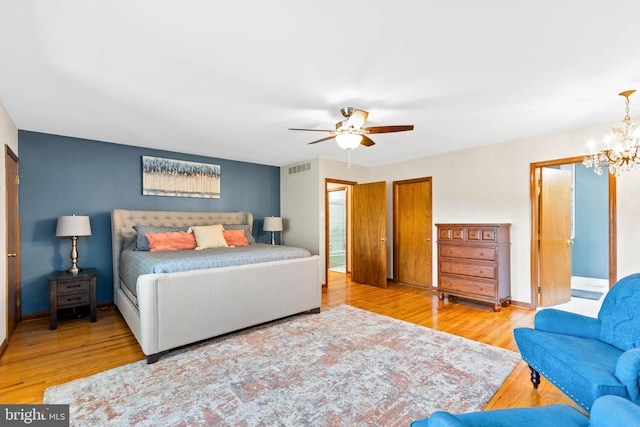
{"points": [[300, 168]]}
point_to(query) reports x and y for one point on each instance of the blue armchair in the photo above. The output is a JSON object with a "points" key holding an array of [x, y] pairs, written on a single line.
{"points": [[586, 357], [608, 411]]}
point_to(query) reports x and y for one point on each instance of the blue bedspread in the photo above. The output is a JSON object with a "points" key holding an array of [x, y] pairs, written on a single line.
{"points": [[135, 263]]}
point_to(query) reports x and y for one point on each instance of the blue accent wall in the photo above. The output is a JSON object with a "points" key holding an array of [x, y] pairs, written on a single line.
{"points": [[65, 176], [590, 252]]}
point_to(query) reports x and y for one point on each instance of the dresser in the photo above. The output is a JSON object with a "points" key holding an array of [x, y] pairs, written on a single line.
{"points": [[474, 262]]}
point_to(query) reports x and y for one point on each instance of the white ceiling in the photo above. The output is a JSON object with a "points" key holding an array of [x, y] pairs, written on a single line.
{"points": [[226, 79]]}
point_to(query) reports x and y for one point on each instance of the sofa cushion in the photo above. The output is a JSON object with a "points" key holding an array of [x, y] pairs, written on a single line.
{"points": [[619, 315], [582, 368]]}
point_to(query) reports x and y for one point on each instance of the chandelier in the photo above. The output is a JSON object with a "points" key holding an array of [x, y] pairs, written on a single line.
{"points": [[619, 149]]}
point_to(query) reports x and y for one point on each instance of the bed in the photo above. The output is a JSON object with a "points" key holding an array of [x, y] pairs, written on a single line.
{"points": [[167, 310]]}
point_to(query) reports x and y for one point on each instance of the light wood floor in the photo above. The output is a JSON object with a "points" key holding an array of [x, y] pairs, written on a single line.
{"points": [[37, 357]]}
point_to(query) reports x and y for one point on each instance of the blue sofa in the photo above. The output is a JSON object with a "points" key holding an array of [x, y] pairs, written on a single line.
{"points": [[587, 357], [608, 411]]}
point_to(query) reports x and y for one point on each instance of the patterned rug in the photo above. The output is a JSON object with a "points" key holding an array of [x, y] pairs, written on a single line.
{"points": [[344, 366]]}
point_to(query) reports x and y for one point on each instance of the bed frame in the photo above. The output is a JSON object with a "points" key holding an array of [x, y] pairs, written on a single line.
{"points": [[176, 309]]}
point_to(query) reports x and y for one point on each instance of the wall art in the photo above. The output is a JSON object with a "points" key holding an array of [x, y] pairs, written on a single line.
{"points": [[168, 177]]}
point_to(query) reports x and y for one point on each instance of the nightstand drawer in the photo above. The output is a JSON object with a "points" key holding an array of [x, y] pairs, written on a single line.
{"points": [[73, 299], [75, 286]]}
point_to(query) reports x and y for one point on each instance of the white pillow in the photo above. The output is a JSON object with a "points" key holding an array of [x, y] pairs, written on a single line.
{"points": [[209, 236]]}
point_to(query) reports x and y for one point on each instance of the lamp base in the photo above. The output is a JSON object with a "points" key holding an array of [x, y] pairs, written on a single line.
{"points": [[74, 269]]}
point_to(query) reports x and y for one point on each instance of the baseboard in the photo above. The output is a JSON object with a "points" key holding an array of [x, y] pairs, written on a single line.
{"points": [[43, 314], [521, 304], [3, 346]]}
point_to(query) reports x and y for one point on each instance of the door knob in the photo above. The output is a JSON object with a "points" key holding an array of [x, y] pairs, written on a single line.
{"points": [[570, 242], [427, 239], [383, 238], [12, 255]]}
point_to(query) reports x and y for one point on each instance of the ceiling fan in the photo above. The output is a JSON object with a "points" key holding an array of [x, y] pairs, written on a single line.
{"points": [[349, 133]]}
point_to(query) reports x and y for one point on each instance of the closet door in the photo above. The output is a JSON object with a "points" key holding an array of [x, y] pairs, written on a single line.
{"points": [[412, 228]]}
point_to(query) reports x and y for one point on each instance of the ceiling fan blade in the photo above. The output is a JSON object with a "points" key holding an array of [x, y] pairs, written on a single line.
{"points": [[357, 118], [387, 129], [366, 141], [321, 140], [313, 130]]}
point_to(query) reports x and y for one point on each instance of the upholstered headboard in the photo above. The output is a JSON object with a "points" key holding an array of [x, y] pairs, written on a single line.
{"points": [[122, 231]]}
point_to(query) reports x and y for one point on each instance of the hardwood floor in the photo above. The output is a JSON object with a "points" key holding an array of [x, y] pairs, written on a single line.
{"points": [[37, 357]]}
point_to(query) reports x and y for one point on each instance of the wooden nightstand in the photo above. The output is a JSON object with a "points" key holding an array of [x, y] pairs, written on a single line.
{"points": [[68, 290]]}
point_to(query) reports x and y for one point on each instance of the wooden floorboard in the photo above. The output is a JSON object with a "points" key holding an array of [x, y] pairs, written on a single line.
{"points": [[37, 358]]}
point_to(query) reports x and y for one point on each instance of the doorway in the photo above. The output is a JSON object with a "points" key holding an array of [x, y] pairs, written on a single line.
{"points": [[338, 225], [338, 236], [573, 244]]}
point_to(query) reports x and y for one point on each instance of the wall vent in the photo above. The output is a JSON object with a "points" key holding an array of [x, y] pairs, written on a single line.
{"points": [[300, 168]]}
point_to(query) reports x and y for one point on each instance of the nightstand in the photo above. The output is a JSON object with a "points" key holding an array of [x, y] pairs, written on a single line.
{"points": [[67, 290]]}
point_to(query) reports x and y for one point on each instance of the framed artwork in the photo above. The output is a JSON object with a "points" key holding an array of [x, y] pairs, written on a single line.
{"points": [[168, 177]]}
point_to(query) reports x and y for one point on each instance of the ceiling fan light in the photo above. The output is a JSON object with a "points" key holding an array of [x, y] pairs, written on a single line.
{"points": [[348, 141]]}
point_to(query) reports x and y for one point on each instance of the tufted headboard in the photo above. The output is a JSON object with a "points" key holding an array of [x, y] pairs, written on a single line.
{"points": [[122, 232]]}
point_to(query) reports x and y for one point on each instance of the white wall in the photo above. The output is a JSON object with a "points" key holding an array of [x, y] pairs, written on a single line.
{"points": [[302, 204], [8, 136], [487, 184]]}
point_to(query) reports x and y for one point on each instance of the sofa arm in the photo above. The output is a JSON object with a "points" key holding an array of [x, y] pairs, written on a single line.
{"points": [[563, 322], [614, 411], [439, 419], [628, 371]]}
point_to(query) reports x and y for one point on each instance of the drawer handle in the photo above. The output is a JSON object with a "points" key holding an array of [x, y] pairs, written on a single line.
{"points": [[74, 299], [73, 286]]}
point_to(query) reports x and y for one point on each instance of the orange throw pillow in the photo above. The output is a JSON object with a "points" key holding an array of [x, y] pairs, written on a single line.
{"points": [[171, 241], [235, 237]]}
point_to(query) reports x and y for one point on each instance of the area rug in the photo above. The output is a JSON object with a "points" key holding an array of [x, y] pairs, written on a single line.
{"points": [[344, 366], [579, 293]]}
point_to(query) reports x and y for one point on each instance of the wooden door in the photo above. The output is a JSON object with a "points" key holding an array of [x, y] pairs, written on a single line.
{"points": [[412, 232], [13, 241], [369, 225], [555, 236]]}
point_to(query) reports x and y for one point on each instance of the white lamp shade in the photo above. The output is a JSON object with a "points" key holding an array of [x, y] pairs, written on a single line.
{"points": [[69, 226], [272, 223]]}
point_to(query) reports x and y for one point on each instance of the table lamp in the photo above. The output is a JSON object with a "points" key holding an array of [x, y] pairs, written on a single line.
{"points": [[272, 224], [73, 226]]}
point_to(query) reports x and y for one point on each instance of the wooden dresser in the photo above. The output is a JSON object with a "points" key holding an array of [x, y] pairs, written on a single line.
{"points": [[474, 262]]}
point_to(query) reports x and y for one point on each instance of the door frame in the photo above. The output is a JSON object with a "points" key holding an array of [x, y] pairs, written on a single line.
{"points": [[534, 174], [10, 156], [347, 184], [396, 215]]}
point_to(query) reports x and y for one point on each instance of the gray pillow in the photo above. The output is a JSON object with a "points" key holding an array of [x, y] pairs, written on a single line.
{"points": [[142, 243]]}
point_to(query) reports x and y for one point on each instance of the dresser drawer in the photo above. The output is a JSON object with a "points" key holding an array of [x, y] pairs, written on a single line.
{"points": [[74, 286], [468, 252], [482, 235], [73, 299], [476, 269], [463, 286]]}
